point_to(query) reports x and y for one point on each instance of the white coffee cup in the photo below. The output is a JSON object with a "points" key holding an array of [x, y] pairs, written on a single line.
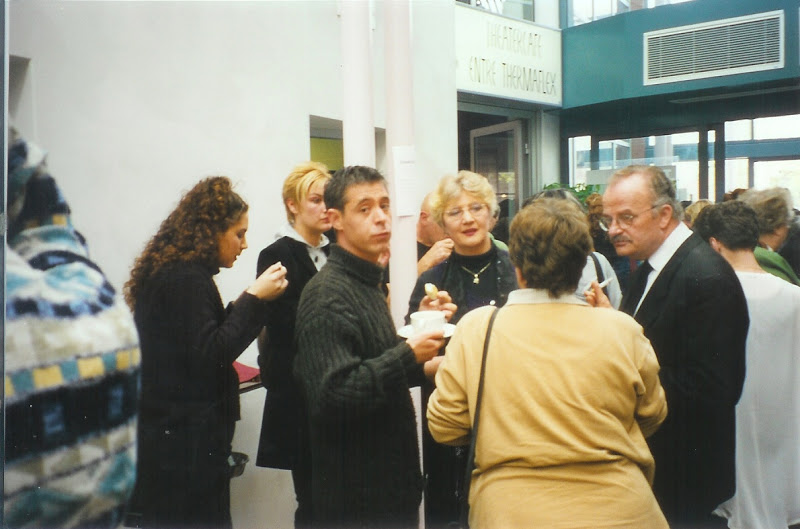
{"points": [[427, 321]]}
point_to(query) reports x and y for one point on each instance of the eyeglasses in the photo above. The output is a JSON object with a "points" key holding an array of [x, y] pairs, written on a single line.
{"points": [[625, 220], [475, 210]]}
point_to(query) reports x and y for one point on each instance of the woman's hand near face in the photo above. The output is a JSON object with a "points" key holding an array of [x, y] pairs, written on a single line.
{"points": [[271, 283], [443, 302]]}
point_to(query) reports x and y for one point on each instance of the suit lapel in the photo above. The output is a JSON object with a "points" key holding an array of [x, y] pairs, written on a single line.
{"points": [[627, 306], [655, 300], [300, 254]]}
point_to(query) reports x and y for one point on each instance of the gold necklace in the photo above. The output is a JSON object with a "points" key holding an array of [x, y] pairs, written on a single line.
{"points": [[475, 279]]}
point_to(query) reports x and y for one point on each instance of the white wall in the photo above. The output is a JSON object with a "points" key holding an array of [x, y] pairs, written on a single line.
{"points": [[137, 101]]}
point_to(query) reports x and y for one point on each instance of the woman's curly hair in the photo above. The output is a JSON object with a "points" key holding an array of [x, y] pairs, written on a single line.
{"points": [[190, 233]]}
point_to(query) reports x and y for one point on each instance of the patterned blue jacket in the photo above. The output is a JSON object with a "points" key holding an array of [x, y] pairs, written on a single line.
{"points": [[71, 366]]}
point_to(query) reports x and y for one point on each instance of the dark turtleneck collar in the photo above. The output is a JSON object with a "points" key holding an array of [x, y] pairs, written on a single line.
{"points": [[368, 273]]}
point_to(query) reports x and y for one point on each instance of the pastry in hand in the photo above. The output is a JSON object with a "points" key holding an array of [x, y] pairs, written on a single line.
{"points": [[431, 291]]}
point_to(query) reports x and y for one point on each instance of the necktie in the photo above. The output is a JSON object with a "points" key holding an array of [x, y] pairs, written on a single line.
{"points": [[638, 282]]}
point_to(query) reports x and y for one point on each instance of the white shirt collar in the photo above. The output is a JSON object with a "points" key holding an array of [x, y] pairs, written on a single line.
{"points": [[530, 296], [661, 257], [287, 230]]}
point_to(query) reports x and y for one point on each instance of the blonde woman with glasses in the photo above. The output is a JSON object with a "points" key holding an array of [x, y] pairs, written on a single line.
{"points": [[476, 274]]}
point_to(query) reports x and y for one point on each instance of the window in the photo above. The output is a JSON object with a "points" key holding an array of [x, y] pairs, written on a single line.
{"points": [[583, 11]]}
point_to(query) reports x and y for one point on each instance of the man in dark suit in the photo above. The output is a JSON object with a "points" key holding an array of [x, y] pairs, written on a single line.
{"points": [[692, 308]]}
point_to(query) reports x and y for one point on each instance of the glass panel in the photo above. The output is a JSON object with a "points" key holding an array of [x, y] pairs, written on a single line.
{"points": [[494, 158], [602, 9], [583, 11], [741, 130], [736, 176], [687, 180], [519, 9], [686, 138], [495, 6], [778, 173], [777, 127], [579, 148]]}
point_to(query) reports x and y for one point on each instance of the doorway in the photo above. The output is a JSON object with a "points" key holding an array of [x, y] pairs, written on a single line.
{"points": [[496, 153]]}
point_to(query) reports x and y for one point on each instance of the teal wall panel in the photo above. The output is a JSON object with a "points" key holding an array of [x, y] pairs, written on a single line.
{"points": [[602, 60]]}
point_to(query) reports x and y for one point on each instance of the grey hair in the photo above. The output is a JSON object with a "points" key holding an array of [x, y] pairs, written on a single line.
{"points": [[773, 207]]}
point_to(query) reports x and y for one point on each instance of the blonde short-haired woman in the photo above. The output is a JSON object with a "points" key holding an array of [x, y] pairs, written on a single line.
{"points": [[302, 248]]}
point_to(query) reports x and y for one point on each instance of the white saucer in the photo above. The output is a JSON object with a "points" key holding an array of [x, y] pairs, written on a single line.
{"points": [[407, 330]]}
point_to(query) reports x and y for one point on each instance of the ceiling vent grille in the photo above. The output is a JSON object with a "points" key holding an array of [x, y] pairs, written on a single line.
{"points": [[751, 43]]}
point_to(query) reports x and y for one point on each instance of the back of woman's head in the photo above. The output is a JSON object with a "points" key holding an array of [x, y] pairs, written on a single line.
{"points": [[450, 188], [549, 244], [190, 233], [773, 207], [733, 223], [558, 193]]}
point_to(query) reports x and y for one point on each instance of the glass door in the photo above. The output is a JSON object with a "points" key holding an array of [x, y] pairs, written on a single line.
{"points": [[496, 152]]}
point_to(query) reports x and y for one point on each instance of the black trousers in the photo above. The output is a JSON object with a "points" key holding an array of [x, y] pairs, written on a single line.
{"points": [[183, 477]]}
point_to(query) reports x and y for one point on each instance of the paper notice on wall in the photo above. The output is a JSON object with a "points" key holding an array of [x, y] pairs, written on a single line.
{"points": [[405, 180]]}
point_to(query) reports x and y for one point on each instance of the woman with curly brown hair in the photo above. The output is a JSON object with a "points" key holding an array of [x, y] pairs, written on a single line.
{"points": [[190, 399]]}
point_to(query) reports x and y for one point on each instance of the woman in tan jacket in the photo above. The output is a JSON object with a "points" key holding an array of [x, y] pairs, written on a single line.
{"points": [[570, 393]]}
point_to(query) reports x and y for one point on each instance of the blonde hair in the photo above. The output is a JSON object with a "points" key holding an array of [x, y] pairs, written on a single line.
{"points": [[694, 209], [450, 187], [299, 181]]}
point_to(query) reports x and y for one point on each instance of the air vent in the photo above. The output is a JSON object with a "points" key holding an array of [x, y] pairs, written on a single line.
{"points": [[751, 43]]}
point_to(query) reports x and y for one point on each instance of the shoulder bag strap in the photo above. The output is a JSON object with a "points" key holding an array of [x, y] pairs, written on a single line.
{"points": [[599, 271], [463, 514]]}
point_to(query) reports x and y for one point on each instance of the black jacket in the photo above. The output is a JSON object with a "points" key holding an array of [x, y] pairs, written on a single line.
{"points": [[695, 315], [283, 423], [447, 276], [190, 394]]}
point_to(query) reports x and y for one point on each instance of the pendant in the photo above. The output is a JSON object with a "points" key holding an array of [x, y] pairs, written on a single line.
{"points": [[476, 280]]}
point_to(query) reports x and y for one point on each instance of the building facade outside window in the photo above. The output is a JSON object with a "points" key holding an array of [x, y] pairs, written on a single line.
{"points": [[754, 156]]}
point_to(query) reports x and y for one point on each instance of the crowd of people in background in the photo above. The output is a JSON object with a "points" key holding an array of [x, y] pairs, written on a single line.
{"points": [[642, 369]]}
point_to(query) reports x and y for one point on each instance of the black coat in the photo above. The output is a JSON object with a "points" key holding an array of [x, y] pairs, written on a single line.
{"points": [[695, 315], [283, 424], [190, 395]]}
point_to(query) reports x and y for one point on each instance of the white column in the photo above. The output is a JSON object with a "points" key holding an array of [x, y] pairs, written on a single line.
{"points": [[400, 134], [358, 129]]}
